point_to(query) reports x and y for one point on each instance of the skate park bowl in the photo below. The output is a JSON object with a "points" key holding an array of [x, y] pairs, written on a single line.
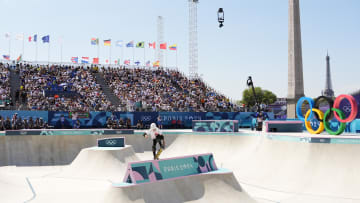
{"points": [[262, 167]]}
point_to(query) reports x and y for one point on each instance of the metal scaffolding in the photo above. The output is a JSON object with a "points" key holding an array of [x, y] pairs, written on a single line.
{"points": [[193, 39]]}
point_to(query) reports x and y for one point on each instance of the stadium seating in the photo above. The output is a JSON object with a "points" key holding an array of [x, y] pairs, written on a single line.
{"points": [[142, 89], [75, 88], [4, 85]]}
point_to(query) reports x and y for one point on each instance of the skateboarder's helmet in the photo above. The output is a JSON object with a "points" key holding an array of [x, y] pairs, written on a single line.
{"points": [[152, 126]]}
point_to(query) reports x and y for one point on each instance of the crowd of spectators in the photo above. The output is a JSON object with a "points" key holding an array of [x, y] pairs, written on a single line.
{"points": [[74, 88], [17, 123], [61, 88], [4, 84], [113, 123], [141, 89]]}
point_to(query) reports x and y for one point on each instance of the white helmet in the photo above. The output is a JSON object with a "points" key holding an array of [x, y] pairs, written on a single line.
{"points": [[152, 126]]}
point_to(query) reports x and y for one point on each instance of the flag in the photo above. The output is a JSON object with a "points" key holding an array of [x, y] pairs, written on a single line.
{"points": [[19, 58], [119, 43], [107, 61], [148, 63], [46, 39], [116, 61], [35, 38], [94, 41], [84, 59], [7, 57], [7, 35], [30, 37], [74, 59], [19, 37], [130, 44], [107, 42], [152, 45], [127, 62], [163, 46], [137, 63], [173, 47], [156, 64], [140, 45], [95, 61]]}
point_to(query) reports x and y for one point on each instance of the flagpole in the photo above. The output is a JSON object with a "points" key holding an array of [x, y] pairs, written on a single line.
{"points": [[36, 49], [166, 57], [154, 48], [176, 57], [23, 46], [144, 55], [122, 53], [110, 54], [133, 54], [98, 50], [49, 52], [61, 52], [9, 46]]}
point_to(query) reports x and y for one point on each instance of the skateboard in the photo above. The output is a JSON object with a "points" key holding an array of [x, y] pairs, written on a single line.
{"points": [[158, 154]]}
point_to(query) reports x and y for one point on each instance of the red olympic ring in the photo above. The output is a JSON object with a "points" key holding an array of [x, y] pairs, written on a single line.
{"points": [[354, 107]]}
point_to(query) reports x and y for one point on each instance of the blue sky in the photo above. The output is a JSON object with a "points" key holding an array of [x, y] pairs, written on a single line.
{"points": [[254, 40]]}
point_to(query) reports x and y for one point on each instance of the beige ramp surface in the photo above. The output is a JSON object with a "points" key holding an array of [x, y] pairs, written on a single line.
{"points": [[206, 188], [90, 176], [281, 171], [100, 163], [14, 188]]}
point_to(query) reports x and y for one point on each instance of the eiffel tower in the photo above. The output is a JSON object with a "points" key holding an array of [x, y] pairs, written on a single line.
{"points": [[328, 91]]}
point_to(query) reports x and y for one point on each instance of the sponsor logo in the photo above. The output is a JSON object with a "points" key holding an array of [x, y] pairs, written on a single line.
{"points": [[110, 142], [145, 118], [347, 109]]}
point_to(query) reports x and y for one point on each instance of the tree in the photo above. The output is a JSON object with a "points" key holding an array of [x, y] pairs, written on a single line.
{"points": [[264, 97], [269, 97]]}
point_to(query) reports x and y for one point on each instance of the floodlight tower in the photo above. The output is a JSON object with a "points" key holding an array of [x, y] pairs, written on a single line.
{"points": [[160, 40], [193, 39]]}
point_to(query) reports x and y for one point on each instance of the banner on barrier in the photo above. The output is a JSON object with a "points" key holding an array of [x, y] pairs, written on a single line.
{"points": [[68, 132], [215, 126], [92, 119], [157, 170]]}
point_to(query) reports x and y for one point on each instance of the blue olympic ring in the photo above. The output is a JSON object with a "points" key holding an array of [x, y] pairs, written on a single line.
{"points": [[299, 104]]}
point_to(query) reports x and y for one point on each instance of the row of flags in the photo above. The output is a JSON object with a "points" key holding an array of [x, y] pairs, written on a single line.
{"points": [[95, 41], [7, 57], [85, 60], [31, 38], [120, 43]]}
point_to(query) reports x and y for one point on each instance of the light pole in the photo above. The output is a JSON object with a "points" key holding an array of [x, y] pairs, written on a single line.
{"points": [[221, 17]]}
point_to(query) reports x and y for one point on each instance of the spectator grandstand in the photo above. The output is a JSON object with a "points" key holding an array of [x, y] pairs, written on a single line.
{"points": [[4, 85], [142, 89], [75, 88], [62, 88]]}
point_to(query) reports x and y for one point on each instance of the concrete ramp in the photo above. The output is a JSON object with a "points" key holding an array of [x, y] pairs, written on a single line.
{"points": [[282, 171], [107, 163], [206, 188], [13, 188]]}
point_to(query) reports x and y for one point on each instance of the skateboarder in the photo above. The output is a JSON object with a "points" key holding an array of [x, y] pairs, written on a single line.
{"points": [[157, 137]]}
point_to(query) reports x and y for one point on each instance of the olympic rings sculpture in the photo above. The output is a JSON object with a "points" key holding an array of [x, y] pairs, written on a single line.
{"points": [[324, 118]]}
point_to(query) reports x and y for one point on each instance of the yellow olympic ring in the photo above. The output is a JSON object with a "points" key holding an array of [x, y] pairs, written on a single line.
{"points": [[308, 124]]}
